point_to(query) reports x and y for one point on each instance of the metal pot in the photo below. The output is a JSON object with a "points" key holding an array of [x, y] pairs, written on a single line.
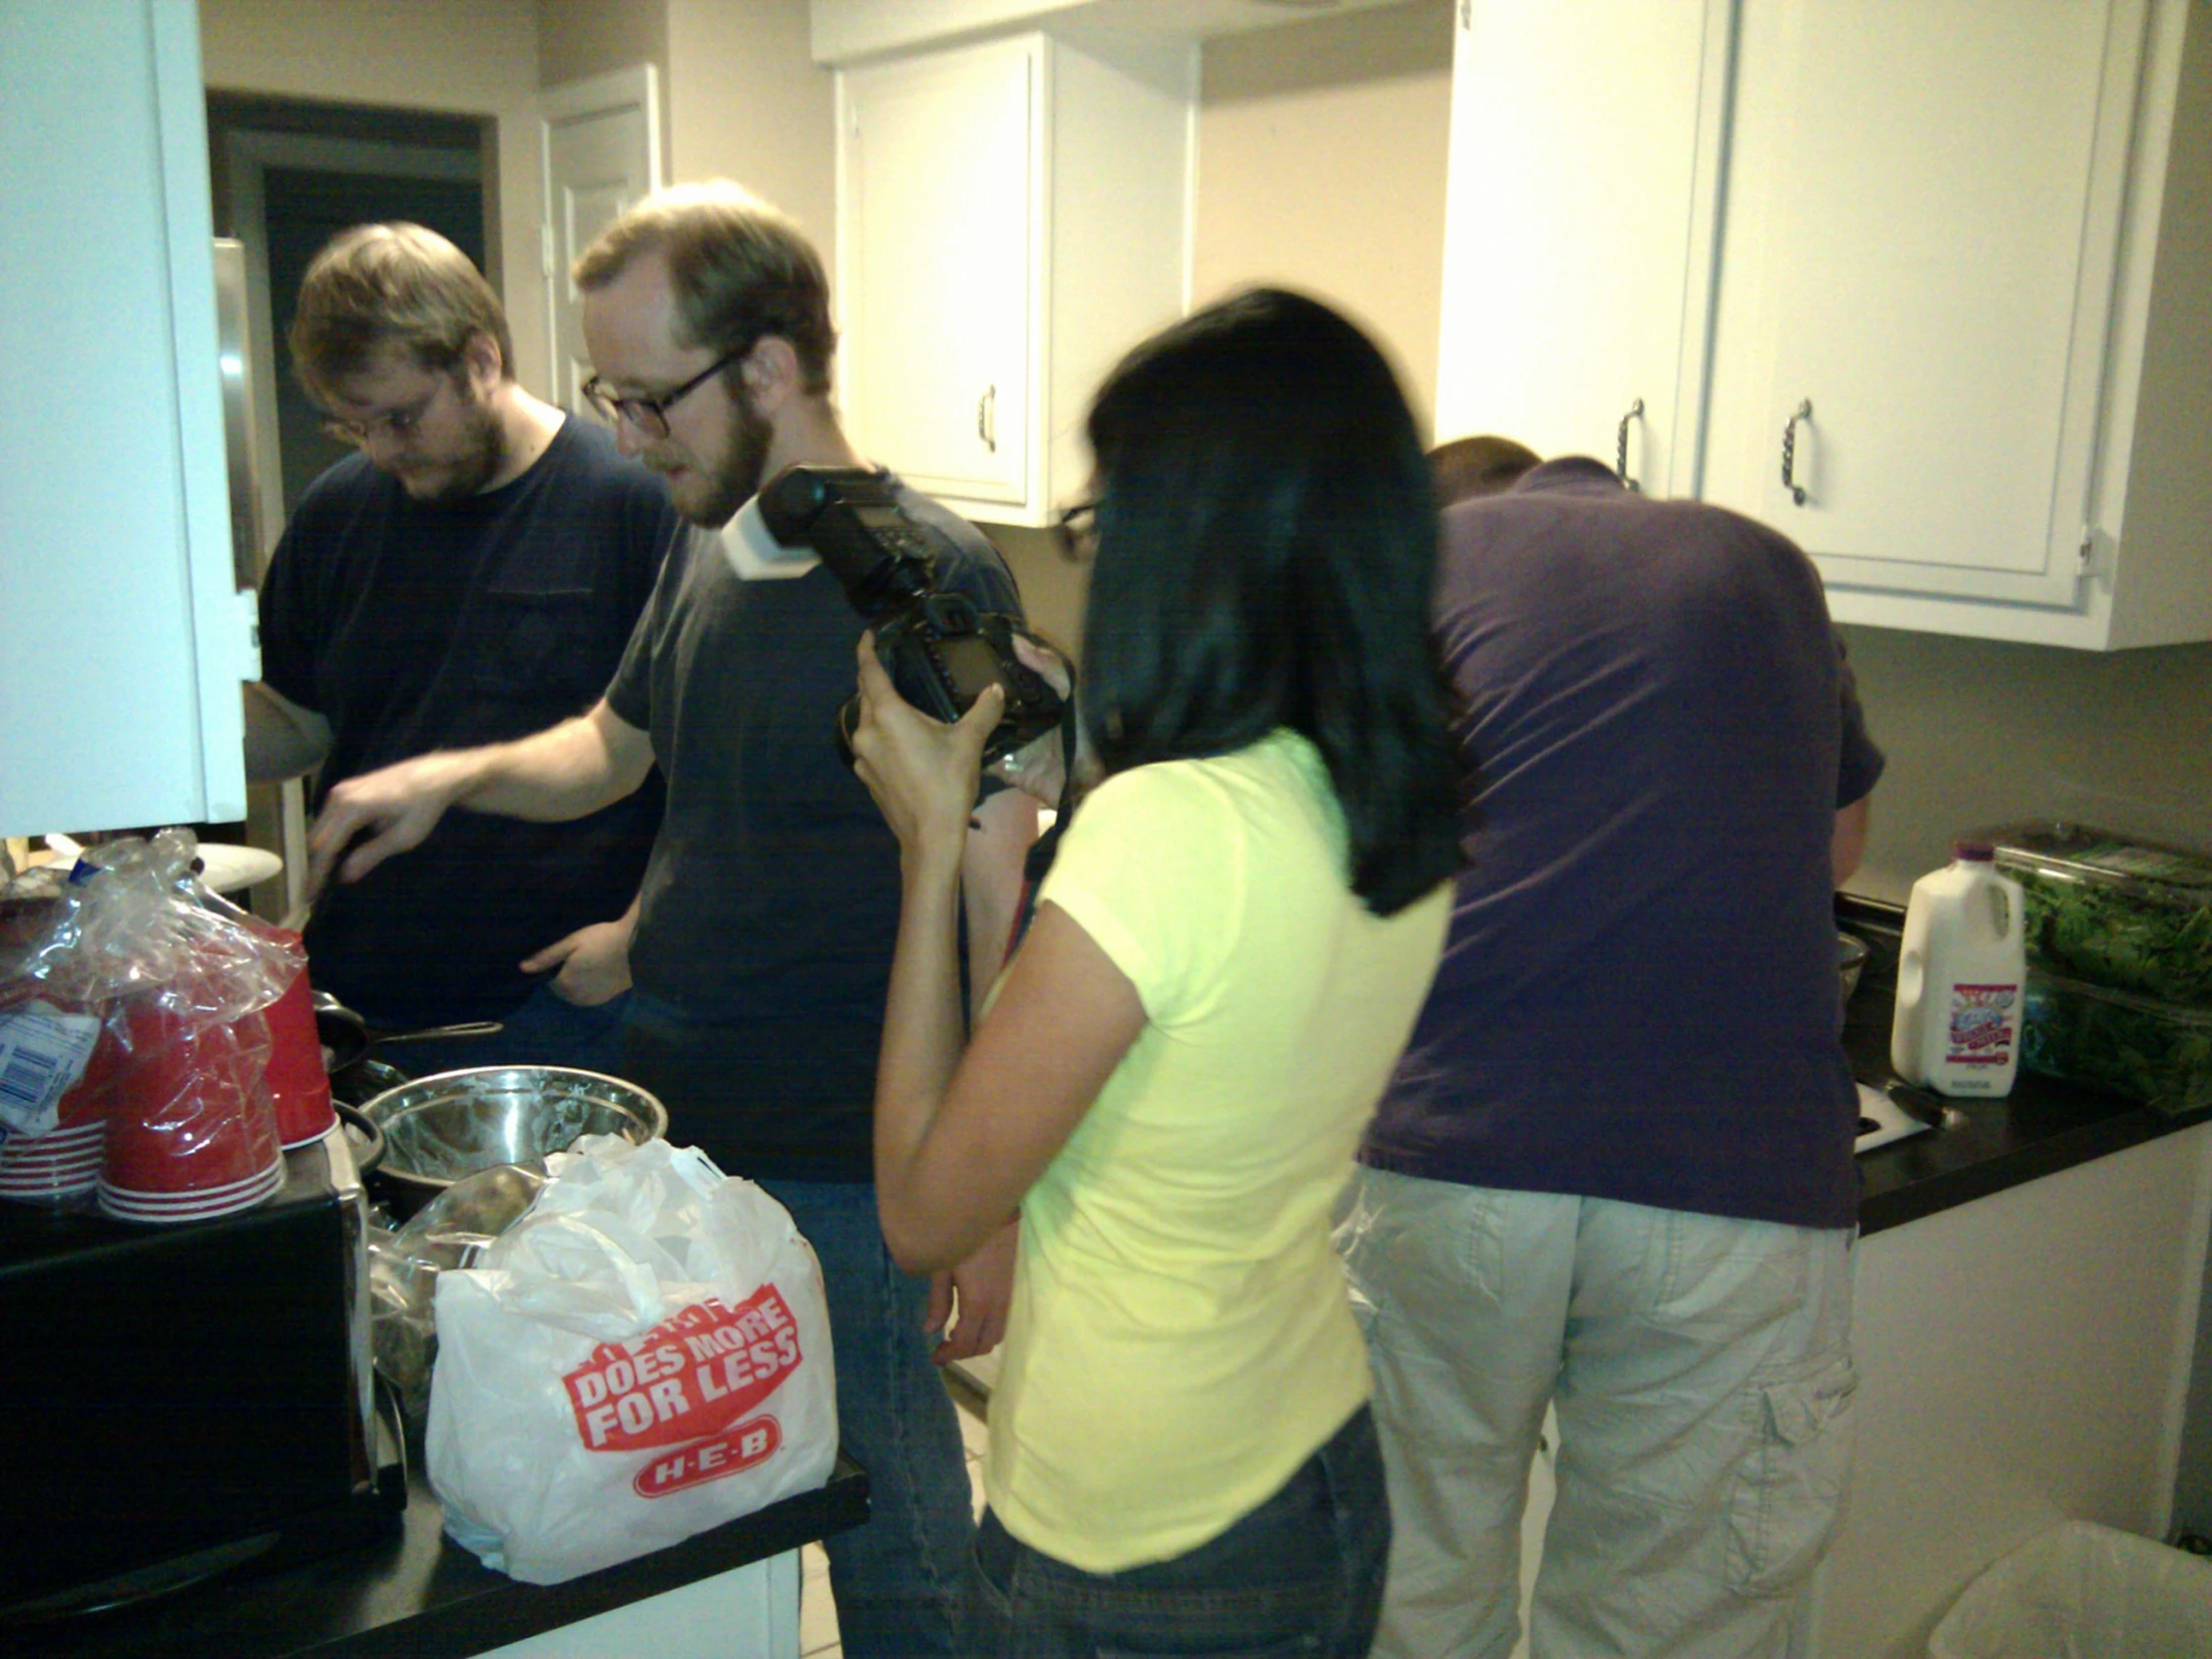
{"points": [[362, 1137]]}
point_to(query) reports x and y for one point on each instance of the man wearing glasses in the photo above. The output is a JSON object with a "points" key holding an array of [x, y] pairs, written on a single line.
{"points": [[763, 938], [470, 575]]}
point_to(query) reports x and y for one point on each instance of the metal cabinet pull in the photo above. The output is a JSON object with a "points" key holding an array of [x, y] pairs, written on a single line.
{"points": [[1789, 451], [1620, 445], [986, 417]]}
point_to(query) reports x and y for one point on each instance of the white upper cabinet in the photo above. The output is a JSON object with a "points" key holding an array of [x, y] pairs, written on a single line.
{"points": [[845, 30], [1578, 230], [1921, 198], [1010, 219], [1954, 258], [122, 638], [937, 238]]}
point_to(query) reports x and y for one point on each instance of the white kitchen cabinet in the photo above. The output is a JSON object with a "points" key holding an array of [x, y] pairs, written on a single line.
{"points": [[121, 639], [748, 1612], [1010, 219], [844, 30], [1971, 237], [1589, 341]]}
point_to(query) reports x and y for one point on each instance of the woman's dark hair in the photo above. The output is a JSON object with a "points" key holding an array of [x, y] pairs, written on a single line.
{"points": [[1267, 546]]}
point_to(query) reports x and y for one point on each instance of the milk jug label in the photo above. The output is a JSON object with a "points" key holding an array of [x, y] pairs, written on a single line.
{"points": [[1981, 1024]]}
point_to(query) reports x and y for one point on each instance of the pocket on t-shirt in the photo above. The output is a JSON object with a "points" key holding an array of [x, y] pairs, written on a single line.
{"points": [[555, 648]]}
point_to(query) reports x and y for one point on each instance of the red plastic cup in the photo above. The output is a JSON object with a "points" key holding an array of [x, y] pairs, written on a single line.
{"points": [[53, 1168], [297, 1084], [192, 1111], [92, 1096]]}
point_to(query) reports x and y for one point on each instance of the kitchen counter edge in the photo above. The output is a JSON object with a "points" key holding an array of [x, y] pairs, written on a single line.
{"points": [[415, 1594], [2043, 1126]]}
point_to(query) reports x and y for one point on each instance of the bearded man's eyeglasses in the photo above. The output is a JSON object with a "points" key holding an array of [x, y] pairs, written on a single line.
{"points": [[650, 414], [397, 424]]}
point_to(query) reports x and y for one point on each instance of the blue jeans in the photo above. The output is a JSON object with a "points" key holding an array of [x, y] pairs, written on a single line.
{"points": [[547, 1030], [1299, 1575], [901, 1580]]}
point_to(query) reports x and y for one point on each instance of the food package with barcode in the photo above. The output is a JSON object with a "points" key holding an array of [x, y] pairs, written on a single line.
{"points": [[642, 1354]]}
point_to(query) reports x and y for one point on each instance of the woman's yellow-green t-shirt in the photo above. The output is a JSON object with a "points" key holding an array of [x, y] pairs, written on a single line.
{"points": [[1181, 1340]]}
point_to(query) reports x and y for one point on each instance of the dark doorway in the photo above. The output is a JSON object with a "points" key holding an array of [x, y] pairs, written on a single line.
{"points": [[304, 209], [289, 174]]}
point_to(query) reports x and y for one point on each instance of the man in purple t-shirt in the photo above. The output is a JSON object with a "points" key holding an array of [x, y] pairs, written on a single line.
{"points": [[1613, 1172]]}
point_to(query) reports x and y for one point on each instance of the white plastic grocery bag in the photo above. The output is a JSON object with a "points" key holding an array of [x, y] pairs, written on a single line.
{"points": [[643, 1354]]}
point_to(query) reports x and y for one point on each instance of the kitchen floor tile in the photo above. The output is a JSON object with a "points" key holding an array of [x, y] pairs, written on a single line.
{"points": [[817, 1615]]}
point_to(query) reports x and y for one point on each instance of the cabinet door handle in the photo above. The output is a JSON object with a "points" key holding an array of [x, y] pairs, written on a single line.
{"points": [[1803, 412], [986, 418], [1620, 445]]}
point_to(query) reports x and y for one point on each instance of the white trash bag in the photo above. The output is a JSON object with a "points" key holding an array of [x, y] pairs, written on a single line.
{"points": [[642, 1354], [2082, 1591]]}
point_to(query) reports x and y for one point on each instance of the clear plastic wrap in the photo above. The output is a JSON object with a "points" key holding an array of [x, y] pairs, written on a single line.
{"points": [[449, 1232], [164, 989], [2082, 1591]]}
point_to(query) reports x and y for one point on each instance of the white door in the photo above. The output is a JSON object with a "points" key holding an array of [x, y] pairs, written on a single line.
{"points": [[1579, 227], [1921, 222], [601, 140], [938, 212]]}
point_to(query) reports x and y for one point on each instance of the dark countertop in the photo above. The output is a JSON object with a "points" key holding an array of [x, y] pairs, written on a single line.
{"points": [[417, 1595], [1985, 1146]]}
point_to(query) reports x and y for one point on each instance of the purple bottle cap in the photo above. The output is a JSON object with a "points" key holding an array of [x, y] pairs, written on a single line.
{"points": [[1972, 851]]}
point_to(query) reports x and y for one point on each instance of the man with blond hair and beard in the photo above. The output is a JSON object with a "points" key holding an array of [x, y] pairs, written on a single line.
{"points": [[472, 574], [764, 937]]}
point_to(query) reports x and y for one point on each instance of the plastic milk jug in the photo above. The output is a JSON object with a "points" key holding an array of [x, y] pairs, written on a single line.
{"points": [[1961, 974]]}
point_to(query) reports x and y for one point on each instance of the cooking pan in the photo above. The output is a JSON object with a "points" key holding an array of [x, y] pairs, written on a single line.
{"points": [[347, 1041]]}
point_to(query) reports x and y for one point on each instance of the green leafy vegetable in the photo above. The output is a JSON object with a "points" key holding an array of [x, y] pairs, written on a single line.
{"points": [[2113, 936], [2162, 1057]]}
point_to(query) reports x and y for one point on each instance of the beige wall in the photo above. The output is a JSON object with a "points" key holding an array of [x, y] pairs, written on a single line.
{"points": [[1978, 731], [1321, 165], [746, 100], [466, 57], [581, 38]]}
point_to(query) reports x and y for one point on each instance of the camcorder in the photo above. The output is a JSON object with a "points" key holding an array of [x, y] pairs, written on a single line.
{"points": [[940, 650]]}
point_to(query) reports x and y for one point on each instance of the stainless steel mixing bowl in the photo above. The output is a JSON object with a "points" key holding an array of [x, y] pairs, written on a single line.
{"points": [[454, 1123], [1851, 960]]}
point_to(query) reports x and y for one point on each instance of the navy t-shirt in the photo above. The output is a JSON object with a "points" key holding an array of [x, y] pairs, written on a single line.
{"points": [[763, 951], [413, 627], [1638, 999]]}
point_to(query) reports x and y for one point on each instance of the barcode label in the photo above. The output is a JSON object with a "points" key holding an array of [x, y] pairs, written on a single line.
{"points": [[27, 1078], [42, 1054]]}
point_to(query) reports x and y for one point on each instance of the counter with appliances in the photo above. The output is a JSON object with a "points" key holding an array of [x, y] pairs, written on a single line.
{"points": [[1983, 1147], [216, 1491], [418, 1595], [2027, 1286]]}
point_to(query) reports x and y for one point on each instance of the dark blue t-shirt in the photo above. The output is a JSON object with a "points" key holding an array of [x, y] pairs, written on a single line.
{"points": [[763, 951], [413, 627], [1638, 999]]}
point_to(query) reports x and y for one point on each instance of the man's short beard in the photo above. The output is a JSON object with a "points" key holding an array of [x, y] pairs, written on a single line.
{"points": [[485, 453], [738, 474]]}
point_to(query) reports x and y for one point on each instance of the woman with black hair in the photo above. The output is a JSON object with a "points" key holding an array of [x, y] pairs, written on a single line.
{"points": [[1226, 957]]}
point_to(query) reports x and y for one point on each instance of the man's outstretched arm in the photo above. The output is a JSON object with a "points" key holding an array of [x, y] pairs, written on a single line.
{"points": [[562, 773]]}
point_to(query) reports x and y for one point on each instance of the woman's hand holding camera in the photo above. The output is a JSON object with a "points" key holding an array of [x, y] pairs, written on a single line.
{"points": [[1037, 767], [922, 772]]}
